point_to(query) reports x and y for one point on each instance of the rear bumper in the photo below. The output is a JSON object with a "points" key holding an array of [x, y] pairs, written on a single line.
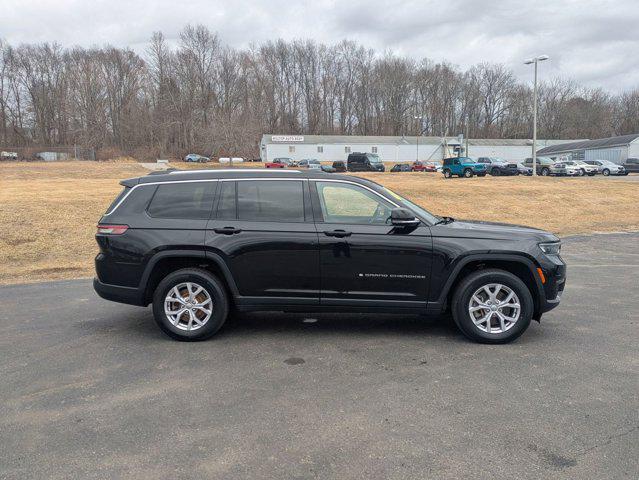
{"points": [[116, 293]]}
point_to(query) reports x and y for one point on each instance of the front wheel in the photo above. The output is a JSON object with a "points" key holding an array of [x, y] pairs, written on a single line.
{"points": [[468, 173], [606, 172], [447, 173], [582, 172], [190, 304], [492, 306], [495, 172], [545, 172]]}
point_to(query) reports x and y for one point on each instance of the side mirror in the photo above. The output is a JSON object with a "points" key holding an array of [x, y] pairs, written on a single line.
{"points": [[402, 217]]}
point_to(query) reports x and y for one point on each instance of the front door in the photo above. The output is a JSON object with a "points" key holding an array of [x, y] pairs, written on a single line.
{"points": [[264, 231], [364, 260]]}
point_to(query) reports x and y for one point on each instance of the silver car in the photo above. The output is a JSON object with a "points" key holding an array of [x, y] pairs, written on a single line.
{"points": [[606, 167], [584, 168]]}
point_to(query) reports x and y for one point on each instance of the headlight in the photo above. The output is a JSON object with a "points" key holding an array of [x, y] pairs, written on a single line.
{"points": [[550, 248]]}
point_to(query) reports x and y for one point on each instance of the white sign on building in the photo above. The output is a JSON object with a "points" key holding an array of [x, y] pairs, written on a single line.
{"points": [[287, 138]]}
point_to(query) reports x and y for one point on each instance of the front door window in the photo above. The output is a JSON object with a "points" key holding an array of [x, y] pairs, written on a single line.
{"points": [[351, 204]]}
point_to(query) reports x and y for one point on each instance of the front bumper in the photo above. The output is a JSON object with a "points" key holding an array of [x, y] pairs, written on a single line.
{"points": [[554, 270]]}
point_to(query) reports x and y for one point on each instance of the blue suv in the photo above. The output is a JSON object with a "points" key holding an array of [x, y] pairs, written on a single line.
{"points": [[463, 167]]}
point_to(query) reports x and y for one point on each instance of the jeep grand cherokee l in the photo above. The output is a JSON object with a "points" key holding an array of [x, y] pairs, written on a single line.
{"points": [[197, 244]]}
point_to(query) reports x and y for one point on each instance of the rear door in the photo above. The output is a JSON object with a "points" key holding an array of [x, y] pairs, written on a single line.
{"points": [[264, 231], [365, 261]]}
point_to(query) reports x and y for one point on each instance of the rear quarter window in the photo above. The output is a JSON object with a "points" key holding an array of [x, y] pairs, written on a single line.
{"points": [[125, 191], [188, 200]]}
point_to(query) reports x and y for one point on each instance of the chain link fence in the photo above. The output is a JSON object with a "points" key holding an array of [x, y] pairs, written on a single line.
{"points": [[47, 154]]}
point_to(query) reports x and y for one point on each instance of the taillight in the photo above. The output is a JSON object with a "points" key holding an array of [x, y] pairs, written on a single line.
{"points": [[112, 229]]}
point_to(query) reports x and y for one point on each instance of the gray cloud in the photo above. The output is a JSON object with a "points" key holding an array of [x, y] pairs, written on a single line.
{"points": [[593, 42]]}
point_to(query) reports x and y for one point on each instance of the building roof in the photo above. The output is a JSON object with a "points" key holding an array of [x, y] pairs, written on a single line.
{"points": [[398, 140], [590, 144]]}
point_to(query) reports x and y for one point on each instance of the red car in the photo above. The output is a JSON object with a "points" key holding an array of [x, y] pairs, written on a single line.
{"points": [[279, 163], [423, 167]]}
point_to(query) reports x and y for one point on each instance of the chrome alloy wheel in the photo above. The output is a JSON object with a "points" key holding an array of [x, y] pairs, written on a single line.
{"points": [[188, 306], [494, 308]]}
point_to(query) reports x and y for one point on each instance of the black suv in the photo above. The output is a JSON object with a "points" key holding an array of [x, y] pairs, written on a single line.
{"points": [[364, 162], [197, 244]]}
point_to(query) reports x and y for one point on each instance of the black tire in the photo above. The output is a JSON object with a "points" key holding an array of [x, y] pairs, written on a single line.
{"points": [[605, 172], [212, 286], [545, 172], [495, 172], [582, 172], [468, 173], [447, 173], [470, 284]]}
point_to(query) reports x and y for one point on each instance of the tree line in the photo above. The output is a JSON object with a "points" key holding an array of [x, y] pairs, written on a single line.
{"points": [[199, 95]]}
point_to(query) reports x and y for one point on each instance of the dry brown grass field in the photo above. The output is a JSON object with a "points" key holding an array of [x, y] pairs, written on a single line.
{"points": [[48, 211]]}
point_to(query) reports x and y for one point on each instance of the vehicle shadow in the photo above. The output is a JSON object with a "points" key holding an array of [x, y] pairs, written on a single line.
{"points": [[343, 324]]}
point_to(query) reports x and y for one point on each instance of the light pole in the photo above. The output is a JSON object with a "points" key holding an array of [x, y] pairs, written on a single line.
{"points": [[418, 117], [535, 60]]}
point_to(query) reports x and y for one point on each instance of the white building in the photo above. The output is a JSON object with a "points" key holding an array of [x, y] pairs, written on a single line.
{"points": [[615, 149], [392, 149]]}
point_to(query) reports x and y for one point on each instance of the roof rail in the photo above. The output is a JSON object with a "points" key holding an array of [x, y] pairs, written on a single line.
{"points": [[225, 170]]}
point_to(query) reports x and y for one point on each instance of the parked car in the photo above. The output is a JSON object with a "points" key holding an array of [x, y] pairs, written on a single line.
{"points": [[463, 167], [401, 167], [497, 166], [418, 166], [364, 162], [543, 165], [307, 162], [194, 157], [631, 165], [563, 169], [339, 166], [10, 155], [197, 245], [584, 168], [606, 167], [327, 169], [282, 162], [524, 170]]}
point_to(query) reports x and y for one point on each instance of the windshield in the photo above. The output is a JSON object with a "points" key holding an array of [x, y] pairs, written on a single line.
{"points": [[374, 158], [425, 214]]}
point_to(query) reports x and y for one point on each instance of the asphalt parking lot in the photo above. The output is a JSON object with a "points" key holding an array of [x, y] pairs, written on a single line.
{"points": [[92, 389]]}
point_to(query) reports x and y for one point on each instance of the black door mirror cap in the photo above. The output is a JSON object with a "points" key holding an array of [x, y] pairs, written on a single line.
{"points": [[402, 217]]}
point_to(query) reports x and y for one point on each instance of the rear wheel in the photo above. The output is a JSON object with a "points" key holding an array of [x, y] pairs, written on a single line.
{"points": [[190, 304], [468, 173], [447, 173], [492, 306]]}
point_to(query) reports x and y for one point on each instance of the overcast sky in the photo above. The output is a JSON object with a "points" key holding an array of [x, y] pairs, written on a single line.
{"points": [[593, 42]]}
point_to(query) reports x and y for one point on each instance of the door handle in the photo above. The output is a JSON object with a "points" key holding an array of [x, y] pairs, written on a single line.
{"points": [[227, 230], [337, 233]]}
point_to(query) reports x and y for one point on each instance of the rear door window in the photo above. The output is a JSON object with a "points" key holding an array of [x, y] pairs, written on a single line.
{"points": [[270, 201], [186, 200]]}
